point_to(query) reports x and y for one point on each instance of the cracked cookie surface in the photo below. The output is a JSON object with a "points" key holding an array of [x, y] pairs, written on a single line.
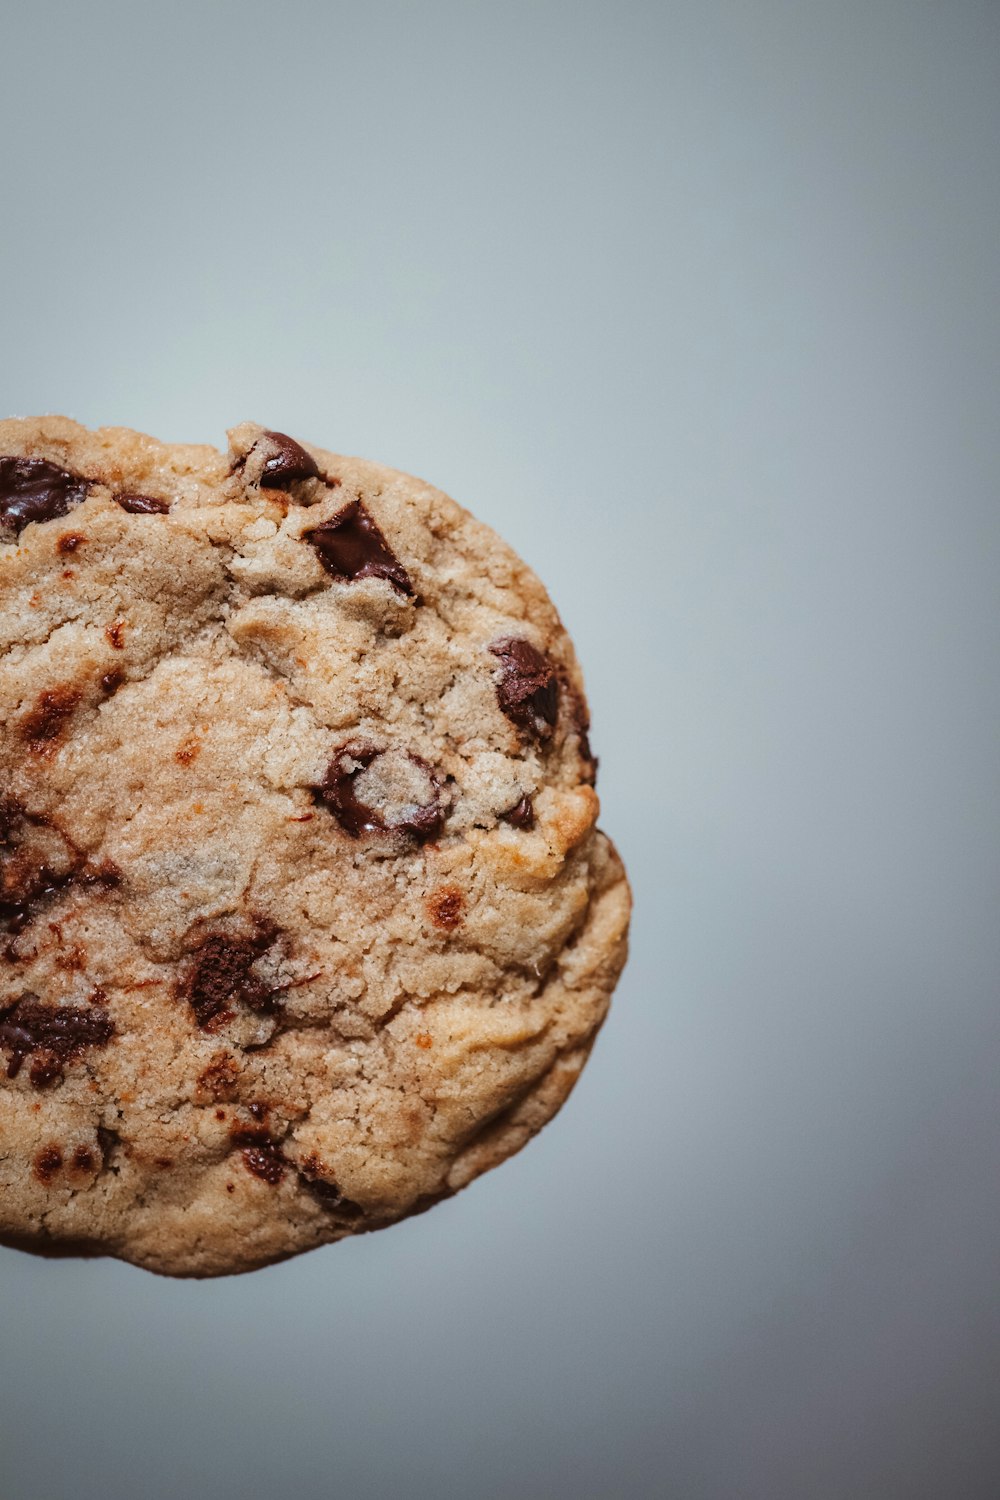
{"points": [[304, 918]]}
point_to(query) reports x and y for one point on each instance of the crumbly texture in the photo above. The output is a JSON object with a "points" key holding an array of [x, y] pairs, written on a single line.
{"points": [[304, 918]]}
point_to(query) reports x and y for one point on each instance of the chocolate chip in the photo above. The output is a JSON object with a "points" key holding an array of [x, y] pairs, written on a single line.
{"points": [[287, 462], [350, 546], [28, 883], [25, 886], [521, 815], [220, 977], [46, 1068], [69, 542], [446, 907], [106, 875], [36, 863], [142, 505], [323, 1190], [112, 681], [33, 490], [338, 792], [44, 725], [220, 1079], [528, 690], [55, 1032], [330, 1196], [83, 1159], [11, 815], [262, 1156], [47, 1163]]}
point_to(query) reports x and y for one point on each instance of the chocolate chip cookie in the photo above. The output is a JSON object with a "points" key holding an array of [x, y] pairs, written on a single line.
{"points": [[304, 918]]}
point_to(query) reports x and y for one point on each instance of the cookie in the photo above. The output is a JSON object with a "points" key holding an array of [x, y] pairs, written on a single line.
{"points": [[304, 918]]}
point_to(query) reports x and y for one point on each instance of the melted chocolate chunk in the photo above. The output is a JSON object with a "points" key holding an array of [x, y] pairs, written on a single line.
{"points": [[337, 793], [142, 505], [24, 886], [330, 1196], [33, 490], [11, 814], [221, 977], [528, 690], [46, 1068], [446, 907], [337, 790], [55, 1032], [27, 886], [325, 1192], [287, 463], [44, 725], [262, 1156], [47, 1163], [28, 880], [220, 1080], [112, 681], [351, 546], [521, 815]]}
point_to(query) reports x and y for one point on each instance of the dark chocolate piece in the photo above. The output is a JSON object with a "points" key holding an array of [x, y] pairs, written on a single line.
{"points": [[330, 1196], [46, 723], [47, 1163], [337, 790], [27, 879], [521, 815], [323, 1190], [221, 977], [288, 462], [337, 793], [55, 1032], [142, 505], [46, 1068], [33, 490], [262, 1156], [350, 546], [528, 690], [25, 885]]}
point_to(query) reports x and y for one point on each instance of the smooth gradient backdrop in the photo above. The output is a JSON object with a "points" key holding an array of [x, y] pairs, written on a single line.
{"points": [[697, 304]]}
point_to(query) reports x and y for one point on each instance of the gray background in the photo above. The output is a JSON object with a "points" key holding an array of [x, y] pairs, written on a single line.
{"points": [[698, 305]]}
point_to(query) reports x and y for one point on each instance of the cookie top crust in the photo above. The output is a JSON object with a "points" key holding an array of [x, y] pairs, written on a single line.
{"points": [[304, 918]]}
